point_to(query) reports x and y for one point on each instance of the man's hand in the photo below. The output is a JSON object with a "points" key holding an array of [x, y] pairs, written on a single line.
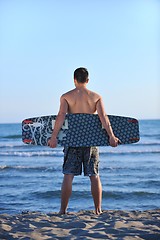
{"points": [[114, 141], [52, 142]]}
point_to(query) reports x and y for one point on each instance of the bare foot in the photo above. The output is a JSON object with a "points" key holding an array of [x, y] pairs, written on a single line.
{"points": [[62, 212], [98, 211]]}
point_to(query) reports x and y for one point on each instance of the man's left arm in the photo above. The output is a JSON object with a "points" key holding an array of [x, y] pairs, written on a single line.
{"points": [[113, 140]]}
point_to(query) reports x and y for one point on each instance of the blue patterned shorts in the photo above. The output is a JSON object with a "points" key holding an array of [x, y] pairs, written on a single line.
{"points": [[76, 157]]}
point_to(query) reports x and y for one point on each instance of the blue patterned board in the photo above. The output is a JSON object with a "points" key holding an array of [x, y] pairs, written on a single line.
{"points": [[79, 130]]}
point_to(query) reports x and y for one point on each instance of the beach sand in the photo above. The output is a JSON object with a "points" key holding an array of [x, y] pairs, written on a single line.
{"points": [[127, 225]]}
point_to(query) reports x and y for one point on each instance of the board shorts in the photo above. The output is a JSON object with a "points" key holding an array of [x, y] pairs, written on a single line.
{"points": [[76, 157]]}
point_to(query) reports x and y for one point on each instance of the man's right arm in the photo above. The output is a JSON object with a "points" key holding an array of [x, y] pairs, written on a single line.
{"points": [[106, 123], [59, 122]]}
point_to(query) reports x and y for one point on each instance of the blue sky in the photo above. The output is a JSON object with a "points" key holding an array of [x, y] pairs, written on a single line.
{"points": [[43, 41]]}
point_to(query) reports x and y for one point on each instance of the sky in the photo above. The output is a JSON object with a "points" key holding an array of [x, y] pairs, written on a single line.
{"points": [[42, 42]]}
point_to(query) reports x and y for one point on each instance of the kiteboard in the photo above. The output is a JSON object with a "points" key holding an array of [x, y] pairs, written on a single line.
{"points": [[79, 130]]}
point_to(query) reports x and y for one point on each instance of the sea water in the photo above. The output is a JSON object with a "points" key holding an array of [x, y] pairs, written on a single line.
{"points": [[31, 176]]}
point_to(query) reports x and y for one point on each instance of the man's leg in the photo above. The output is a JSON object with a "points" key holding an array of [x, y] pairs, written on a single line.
{"points": [[66, 192], [96, 189]]}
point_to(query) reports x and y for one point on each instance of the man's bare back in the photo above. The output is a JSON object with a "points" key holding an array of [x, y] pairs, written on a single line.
{"points": [[81, 100]]}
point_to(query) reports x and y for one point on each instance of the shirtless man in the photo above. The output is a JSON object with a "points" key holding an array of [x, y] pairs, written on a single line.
{"points": [[81, 100]]}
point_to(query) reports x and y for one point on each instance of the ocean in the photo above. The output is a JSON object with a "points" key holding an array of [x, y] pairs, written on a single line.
{"points": [[31, 176]]}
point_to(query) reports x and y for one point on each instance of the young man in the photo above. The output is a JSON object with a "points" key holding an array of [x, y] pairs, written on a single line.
{"points": [[81, 100]]}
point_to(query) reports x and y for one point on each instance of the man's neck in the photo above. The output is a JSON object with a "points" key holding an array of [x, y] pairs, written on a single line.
{"points": [[81, 85]]}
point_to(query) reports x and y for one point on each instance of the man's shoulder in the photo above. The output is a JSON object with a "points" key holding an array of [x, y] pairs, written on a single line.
{"points": [[95, 95], [68, 93]]}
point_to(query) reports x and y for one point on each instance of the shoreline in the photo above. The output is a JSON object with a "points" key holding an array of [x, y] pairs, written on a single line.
{"points": [[111, 224]]}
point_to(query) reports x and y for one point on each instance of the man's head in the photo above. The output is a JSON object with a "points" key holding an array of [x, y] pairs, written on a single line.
{"points": [[81, 75]]}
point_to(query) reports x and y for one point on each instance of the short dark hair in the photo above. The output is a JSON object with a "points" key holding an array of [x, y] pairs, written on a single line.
{"points": [[81, 75]]}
